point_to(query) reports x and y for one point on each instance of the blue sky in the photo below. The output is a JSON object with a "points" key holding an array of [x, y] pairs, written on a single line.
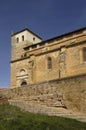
{"points": [[47, 18]]}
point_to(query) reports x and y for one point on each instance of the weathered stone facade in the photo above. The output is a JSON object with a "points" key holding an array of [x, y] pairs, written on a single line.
{"points": [[34, 60]]}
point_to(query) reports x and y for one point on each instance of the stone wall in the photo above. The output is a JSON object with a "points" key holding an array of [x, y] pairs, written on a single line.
{"points": [[68, 93]]}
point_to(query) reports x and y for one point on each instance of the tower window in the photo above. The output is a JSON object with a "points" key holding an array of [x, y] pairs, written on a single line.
{"points": [[33, 38], [23, 38], [49, 63], [17, 39]]}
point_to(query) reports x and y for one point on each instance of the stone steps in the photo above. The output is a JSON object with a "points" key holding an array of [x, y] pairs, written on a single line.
{"points": [[51, 111]]}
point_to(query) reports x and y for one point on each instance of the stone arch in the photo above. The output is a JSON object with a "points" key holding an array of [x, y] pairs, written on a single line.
{"points": [[22, 72], [23, 82], [22, 77]]}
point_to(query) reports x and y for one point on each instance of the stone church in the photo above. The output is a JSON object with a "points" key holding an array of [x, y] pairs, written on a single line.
{"points": [[36, 61]]}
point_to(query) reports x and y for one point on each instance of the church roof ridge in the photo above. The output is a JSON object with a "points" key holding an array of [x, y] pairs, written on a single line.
{"points": [[26, 29]]}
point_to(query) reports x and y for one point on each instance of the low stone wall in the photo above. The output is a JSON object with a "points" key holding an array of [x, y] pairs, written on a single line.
{"points": [[68, 93]]}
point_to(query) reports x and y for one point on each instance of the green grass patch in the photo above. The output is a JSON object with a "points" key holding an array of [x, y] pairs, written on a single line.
{"points": [[12, 118]]}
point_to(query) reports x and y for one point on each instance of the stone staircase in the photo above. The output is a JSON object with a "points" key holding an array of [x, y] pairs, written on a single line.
{"points": [[51, 111]]}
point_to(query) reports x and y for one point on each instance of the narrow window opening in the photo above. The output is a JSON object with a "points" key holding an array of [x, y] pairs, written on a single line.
{"points": [[23, 38], [17, 40], [33, 38], [49, 63], [84, 54]]}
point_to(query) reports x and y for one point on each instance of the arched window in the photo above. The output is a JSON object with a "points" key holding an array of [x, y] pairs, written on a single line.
{"points": [[17, 39], [33, 38], [22, 72], [49, 63], [84, 54], [23, 38]]}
